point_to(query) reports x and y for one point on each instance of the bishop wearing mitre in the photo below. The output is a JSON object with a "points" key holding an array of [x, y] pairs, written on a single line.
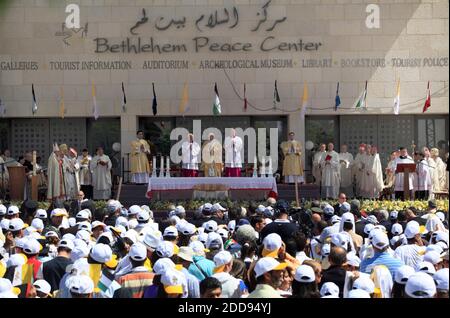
{"points": [[292, 164], [139, 166], [212, 157], [56, 187]]}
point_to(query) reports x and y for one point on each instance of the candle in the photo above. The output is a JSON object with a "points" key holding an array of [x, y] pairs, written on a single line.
{"points": [[168, 167], [161, 171], [255, 167], [154, 167], [270, 166]]}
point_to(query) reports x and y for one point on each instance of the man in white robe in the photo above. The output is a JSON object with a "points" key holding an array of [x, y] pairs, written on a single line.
{"points": [[422, 178], [346, 162], [398, 186], [190, 151], [440, 169], [101, 175], [85, 175], [233, 163], [358, 166], [212, 157], [316, 168], [373, 179], [330, 173], [56, 187], [433, 171]]}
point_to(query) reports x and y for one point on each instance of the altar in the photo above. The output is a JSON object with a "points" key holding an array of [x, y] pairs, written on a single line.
{"points": [[234, 188]]}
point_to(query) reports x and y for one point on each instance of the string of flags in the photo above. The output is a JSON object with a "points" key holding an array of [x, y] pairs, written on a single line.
{"points": [[361, 102]]}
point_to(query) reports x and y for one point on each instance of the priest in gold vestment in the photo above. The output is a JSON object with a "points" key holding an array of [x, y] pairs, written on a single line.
{"points": [[292, 164], [139, 166], [212, 157]]}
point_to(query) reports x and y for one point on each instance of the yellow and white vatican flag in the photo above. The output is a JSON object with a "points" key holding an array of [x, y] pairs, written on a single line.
{"points": [[397, 100]]}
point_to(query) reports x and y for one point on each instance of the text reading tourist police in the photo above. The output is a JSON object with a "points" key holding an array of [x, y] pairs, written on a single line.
{"points": [[262, 308], [201, 44]]}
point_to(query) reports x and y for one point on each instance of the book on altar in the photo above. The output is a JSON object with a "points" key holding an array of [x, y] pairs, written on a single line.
{"points": [[328, 158]]}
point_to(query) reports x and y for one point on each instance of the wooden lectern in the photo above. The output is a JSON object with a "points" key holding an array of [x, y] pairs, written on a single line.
{"points": [[406, 169], [17, 181]]}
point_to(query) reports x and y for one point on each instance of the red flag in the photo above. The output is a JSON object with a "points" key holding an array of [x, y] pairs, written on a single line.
{"points": [[245, 98], [428, 100]]}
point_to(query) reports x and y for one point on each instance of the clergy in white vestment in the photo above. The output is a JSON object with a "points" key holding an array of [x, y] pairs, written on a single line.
{"points": [[373, 179], [358, 166], [292, 163], [233, 162], [440, 169], [55, 180], [85, 174], [346, 162], [398, 186], [422, 178], [330, 173], [212, 157], [390, 176], [433, 171], [69, 173], [190, 151], [101, 175], [316, 168], [4, 175]]}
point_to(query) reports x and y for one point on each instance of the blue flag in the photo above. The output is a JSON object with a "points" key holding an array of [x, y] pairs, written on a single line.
{"points": [[337, 100]]}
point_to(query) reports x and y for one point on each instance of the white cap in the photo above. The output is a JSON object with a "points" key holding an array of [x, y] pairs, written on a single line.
{"points": [[358, 293], [173, 281], [16, 225], [83, 214], [231, 225], [20, 241], [441, 236], [29, 230], [113, 205], [207, 207], [143, 216], [202, 237], [214, 240], [83, 235], [329, 289], [42, 286], [325, 250], [165, 249], [6, 289], [221, 259], [2, 209], [58, 212], [434, 247], [108, 235], [379, 239], [441, 279], [335, 219], [420, 285], [162, 265], [394, 215], [85, 225], [79, 251], [80, 284], [365, 283], [441, 216], [340, 239], [372, 219], [210, 226], [68, 236], [66, 243], [426, 267], [368, 228], [272, 243], [186, 253], [223, 233], [433, 257], [138, 252], [412, 229], [218, 207], [170, 231], [51, 234], [179, 210], [353, 260], [32, 246], [16, 260], [267, 264], [187, 228], [4, 224], [403, 273], [305, 274], [12, 209], [121, 220], [152, 239], [134, 210], [101, 253], [396, 229], [40, 213], [97, 224], [198, 248]]}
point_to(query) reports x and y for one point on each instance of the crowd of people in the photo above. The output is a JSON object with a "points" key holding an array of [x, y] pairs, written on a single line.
{"points": [[258, 251]]}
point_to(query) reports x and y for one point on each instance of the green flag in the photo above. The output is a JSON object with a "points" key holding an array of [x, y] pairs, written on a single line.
{"points": [[361, 103]]}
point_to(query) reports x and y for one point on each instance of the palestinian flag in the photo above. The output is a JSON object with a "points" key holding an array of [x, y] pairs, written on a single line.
{"points": [[124, 99], [106, 284], [34, 107], [217, 108], [361, 103], [276, 96], [155, 103], [428, 100]]}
